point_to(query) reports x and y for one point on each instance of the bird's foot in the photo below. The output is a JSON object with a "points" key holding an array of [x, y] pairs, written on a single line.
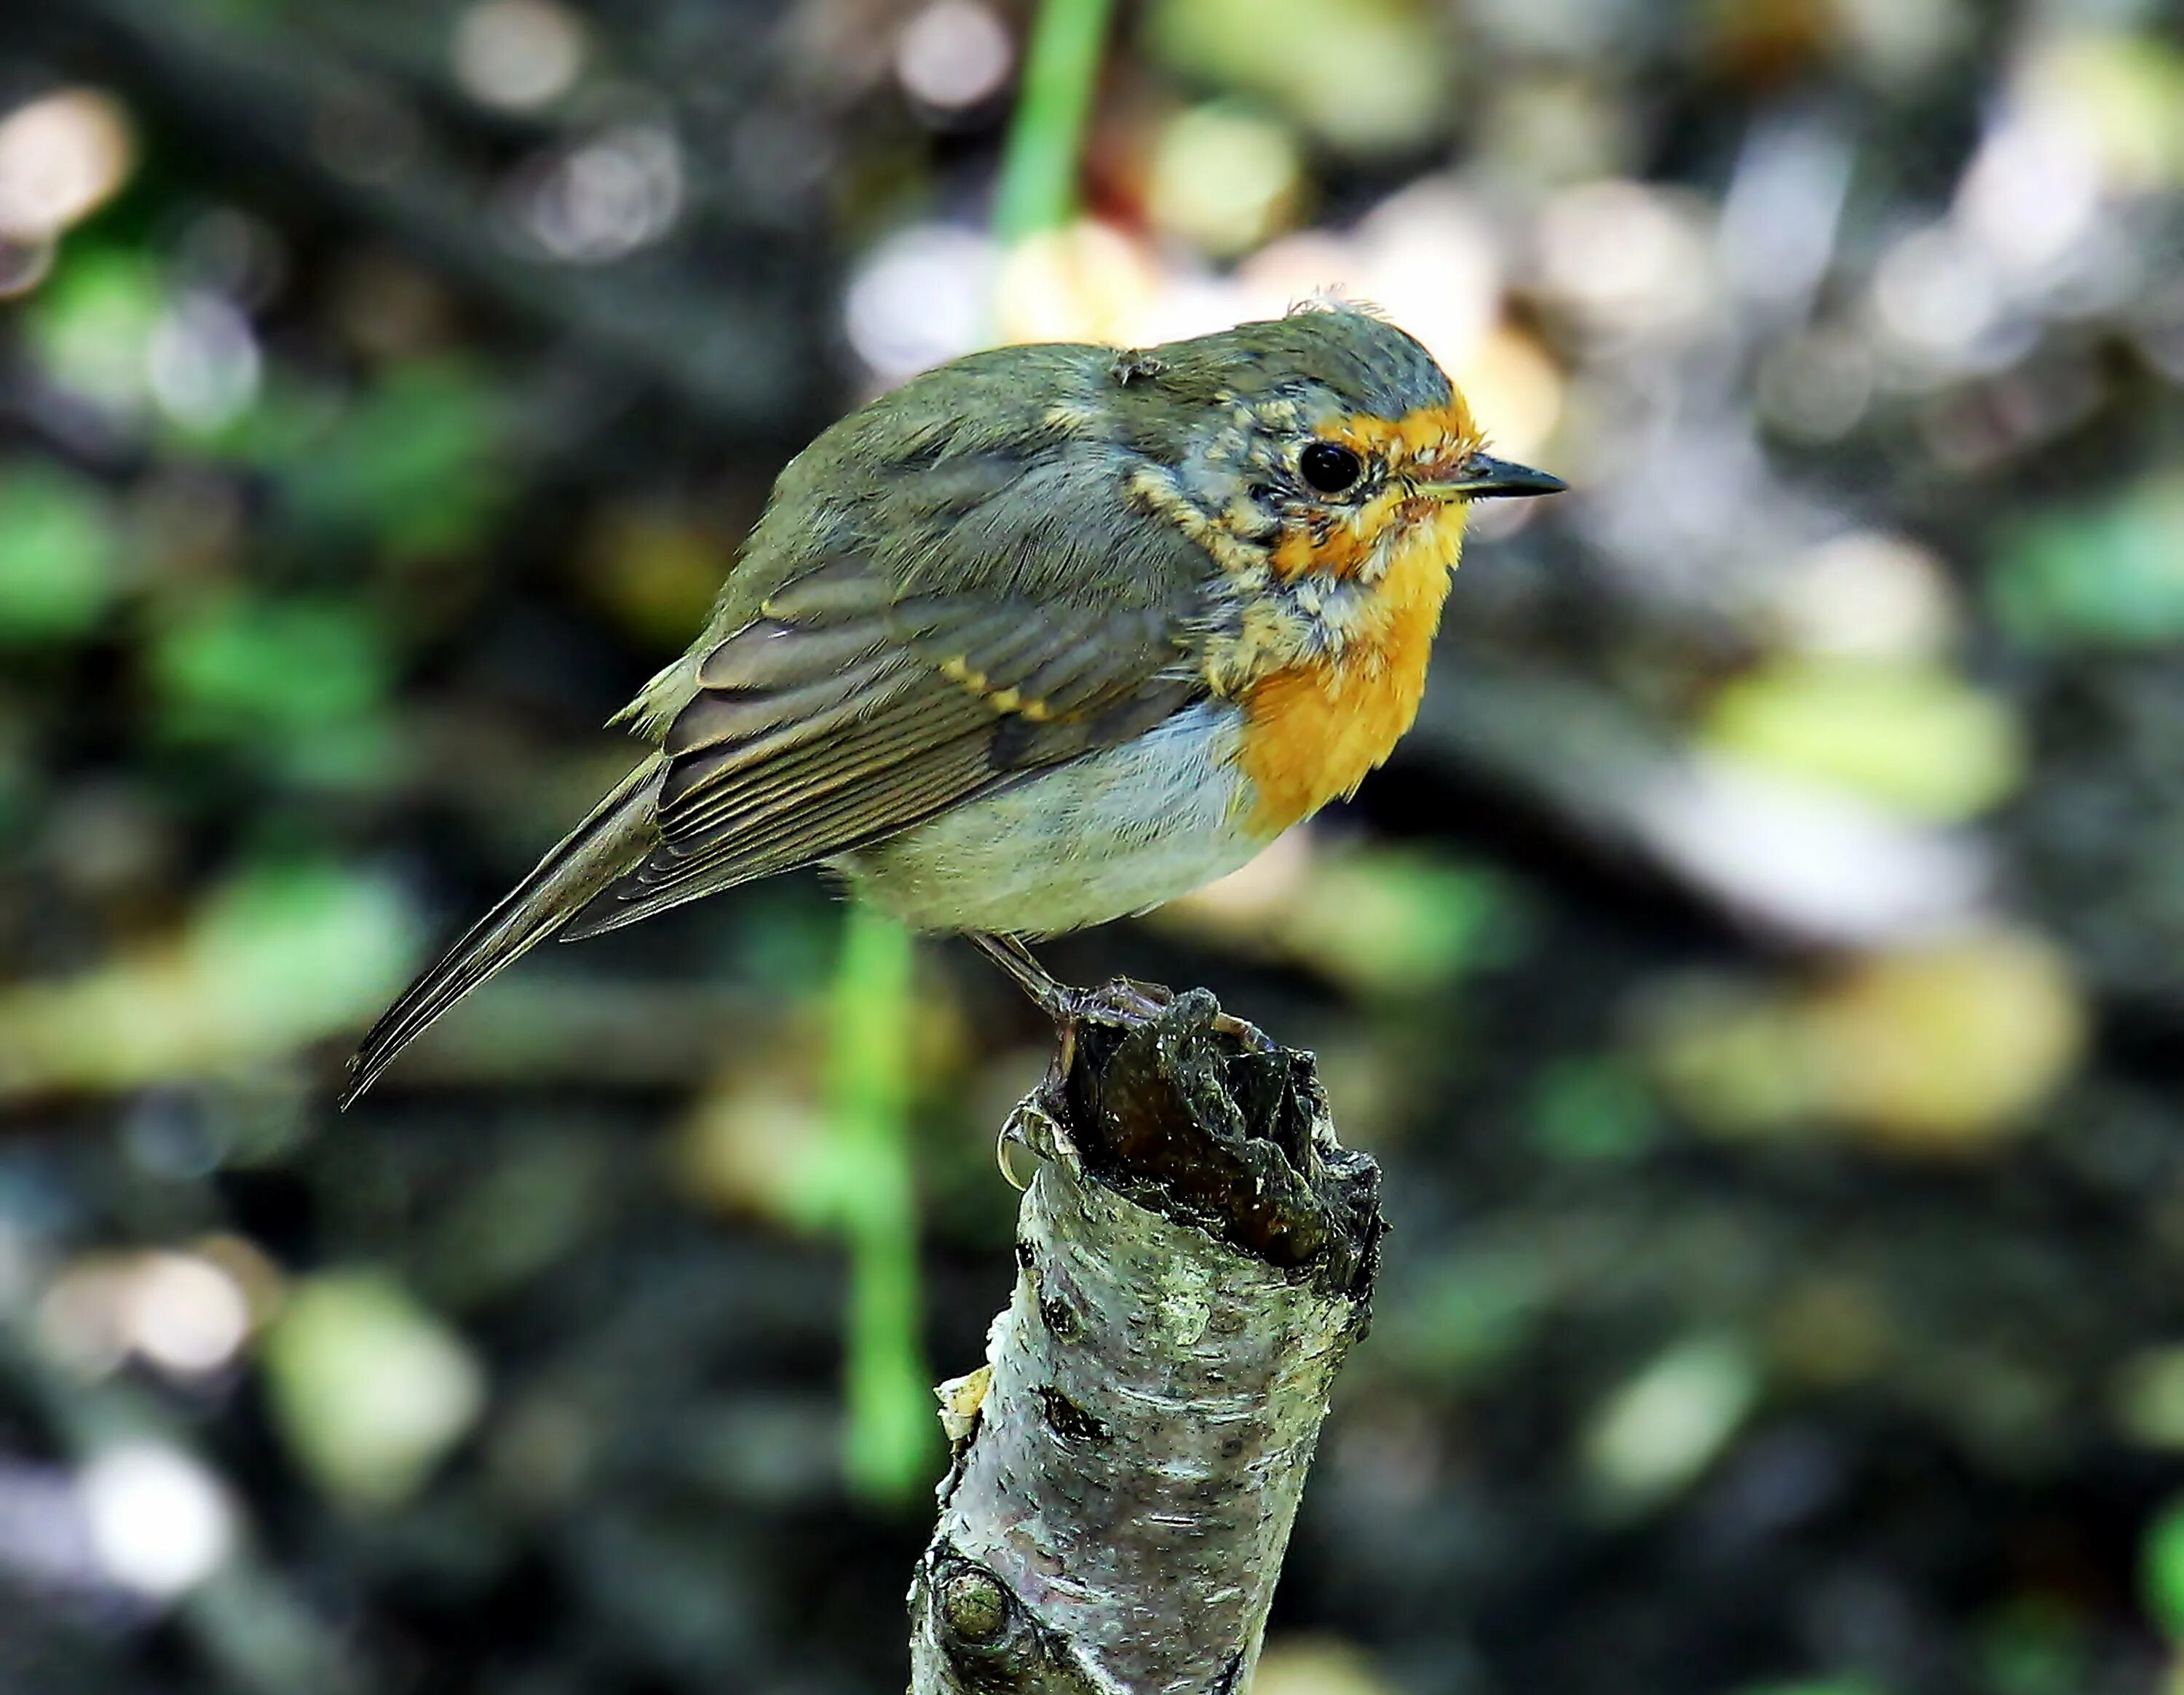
{"points": [[1124, 1000]]}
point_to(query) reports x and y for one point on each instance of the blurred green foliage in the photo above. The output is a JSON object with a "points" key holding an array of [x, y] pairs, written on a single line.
{"points": [[296, 679], [369, 1388], [1914, 739], [412, 465], [59, 556], [1039, 168], [1367, 75], [300, 946], [2111, 574], [92, 325], [1396, 923], [1760, 973], [2164, 1568], [1587, 1108], [892, 1446]]}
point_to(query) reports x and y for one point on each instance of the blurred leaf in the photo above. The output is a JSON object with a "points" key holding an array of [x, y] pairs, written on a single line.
{"points": [[1915, 738], [1377, 920], [1224, 179], [2121, 90], [1592, 1109], [1469, 1314], [306, 675], [1653, 1437], [1949, 1046], [299, 947], [413, 463], [2110, 575], [2148, 1397], [278, 956], [2162, 1568], [58, 553], [1366, 75], [762, 1146], [92, 324], [1317, 1665], [655, 570], [369, 1389], [1731, 1057], [1394, 921]]}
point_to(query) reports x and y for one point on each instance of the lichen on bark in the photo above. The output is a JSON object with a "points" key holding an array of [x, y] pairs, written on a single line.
{"points": [[1195, 1259]]}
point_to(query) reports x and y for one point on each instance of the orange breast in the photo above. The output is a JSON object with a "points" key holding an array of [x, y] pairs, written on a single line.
{"points": [[1312, 732]]}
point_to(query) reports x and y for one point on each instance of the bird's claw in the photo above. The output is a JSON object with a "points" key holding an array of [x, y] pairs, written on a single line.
{"points": [[1122, 1000]]}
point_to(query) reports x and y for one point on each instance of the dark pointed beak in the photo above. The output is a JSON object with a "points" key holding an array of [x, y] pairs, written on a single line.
{"points": [[1484, 477]]}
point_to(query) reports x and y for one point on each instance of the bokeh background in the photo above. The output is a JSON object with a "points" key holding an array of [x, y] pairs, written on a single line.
{"points": [[1761, 974]]}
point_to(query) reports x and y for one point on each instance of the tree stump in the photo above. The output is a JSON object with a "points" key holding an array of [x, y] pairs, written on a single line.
{"points": [[1195, 1257]]}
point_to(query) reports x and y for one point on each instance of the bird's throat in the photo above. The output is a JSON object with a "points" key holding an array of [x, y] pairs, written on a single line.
{"points": [[1312, 730]]}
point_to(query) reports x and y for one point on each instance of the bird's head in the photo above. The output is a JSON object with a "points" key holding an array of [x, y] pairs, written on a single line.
{"points": [[1328, 437]]}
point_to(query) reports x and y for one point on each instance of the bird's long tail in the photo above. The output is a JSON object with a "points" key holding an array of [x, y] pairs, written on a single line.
{"points": [[608, 844]]}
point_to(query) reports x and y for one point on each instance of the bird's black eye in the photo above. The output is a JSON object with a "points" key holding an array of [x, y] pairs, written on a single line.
{"points": [[1330, 467]]}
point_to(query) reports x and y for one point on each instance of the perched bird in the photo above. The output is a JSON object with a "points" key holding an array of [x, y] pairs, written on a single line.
{"points": [[1044, 637]]}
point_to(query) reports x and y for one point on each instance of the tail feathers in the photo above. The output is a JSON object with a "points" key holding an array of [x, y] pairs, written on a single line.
{"points": [[607, 844], [627, 899]]}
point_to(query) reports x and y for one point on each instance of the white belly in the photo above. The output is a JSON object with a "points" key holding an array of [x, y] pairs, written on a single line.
{"points": [[1099, 839]]}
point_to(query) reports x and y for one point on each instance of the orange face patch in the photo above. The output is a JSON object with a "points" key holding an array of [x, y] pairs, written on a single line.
{"points": [[1342, 544], [1431, 435], [1312, 732]]}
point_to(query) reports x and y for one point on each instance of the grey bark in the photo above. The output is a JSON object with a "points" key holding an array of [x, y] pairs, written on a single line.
{"points": [[1194, 1259]]}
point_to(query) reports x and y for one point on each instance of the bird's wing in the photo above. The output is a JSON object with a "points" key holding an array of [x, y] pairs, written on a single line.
{"points": [[846, 711]]}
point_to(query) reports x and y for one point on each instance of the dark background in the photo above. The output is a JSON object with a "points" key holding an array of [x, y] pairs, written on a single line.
{"points": [[1761, 974]]}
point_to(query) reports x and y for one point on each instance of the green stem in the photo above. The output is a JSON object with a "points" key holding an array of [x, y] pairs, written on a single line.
{"points": [[891, 1437], [1039, 171], [892, 1431]]}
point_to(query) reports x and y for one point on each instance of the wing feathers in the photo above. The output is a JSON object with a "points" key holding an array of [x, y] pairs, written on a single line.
{"points": [[782, 786], [839, 589], [837, 715], [772, 655], [835, 824], [708, 768], [745, 716], [1026, 744]]}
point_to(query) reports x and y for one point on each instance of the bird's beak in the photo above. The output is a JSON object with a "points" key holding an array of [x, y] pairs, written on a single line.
{"points": [[1484, 477]]}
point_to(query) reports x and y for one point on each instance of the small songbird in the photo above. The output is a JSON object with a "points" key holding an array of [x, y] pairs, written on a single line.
{"points": [[1043, 638]]}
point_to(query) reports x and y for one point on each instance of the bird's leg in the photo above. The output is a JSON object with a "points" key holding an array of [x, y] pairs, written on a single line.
{"points": [[1066, 1005], [1052, 995], [1057, 999]]}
